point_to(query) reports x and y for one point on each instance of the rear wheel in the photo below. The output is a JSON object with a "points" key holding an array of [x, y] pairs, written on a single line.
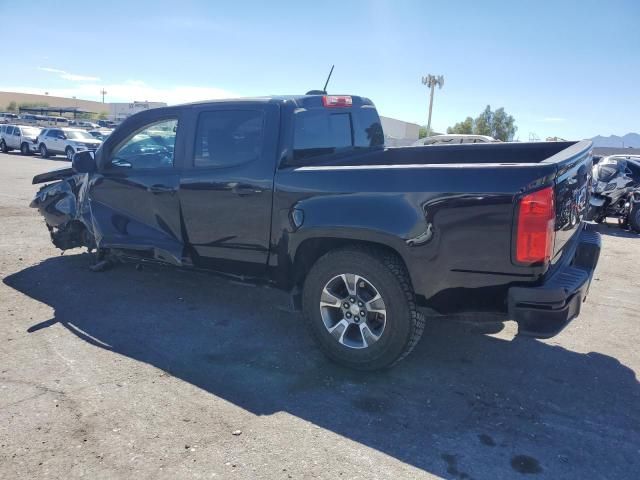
{"points": [[24, 148], [360, 307], [3, 147], [44, 153]]}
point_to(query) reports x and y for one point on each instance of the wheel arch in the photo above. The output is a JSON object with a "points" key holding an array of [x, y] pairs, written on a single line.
{"points": [[313, 248]]}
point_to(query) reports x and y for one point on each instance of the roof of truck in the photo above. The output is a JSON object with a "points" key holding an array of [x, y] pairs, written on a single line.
{"points": [[298, 99]]}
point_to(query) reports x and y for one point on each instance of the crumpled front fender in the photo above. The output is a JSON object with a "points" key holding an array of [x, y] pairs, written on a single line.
{"points": [[64, 206]]}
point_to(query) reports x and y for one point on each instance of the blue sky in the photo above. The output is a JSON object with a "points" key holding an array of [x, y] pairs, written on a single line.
{"points": [[566, 68]]}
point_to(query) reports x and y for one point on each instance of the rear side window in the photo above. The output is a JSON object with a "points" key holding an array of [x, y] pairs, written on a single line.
{"points": [[320, 132], [228, 137]]}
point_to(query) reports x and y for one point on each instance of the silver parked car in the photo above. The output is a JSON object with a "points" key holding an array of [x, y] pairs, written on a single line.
{"points": [[66, 141], [19, 137], [454, 139]]}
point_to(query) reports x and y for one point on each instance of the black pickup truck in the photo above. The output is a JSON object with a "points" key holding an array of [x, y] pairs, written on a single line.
{"points": [[300, 192]]}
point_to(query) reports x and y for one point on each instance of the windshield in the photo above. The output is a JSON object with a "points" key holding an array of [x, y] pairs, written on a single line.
{"points": [[78, 135], [30, 131]]}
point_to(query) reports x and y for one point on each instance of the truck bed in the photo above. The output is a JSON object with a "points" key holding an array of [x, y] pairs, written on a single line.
{"points": [[448, 209], [487, 153]]}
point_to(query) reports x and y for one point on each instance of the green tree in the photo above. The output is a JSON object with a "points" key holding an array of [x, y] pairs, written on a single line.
{"points": [[12, 107], [497, 124], [465, 127], [483, 125], [422, 133], [504, 125], [103, 115]]}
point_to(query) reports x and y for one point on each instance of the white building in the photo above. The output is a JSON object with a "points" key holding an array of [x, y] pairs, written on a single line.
{"points": [[120, 111], [398, 133]]}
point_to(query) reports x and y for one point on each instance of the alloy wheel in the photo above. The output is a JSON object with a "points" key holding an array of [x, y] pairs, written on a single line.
{"points": [[353, 311]]}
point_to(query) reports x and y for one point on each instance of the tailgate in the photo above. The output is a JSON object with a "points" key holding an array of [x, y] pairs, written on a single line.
{"points": [[572, 188]]}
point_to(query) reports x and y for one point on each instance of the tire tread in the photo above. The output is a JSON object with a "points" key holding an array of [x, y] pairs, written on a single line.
{"points": [[393, 264]]}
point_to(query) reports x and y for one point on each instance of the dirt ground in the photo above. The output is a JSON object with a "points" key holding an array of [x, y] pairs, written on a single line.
{"points": [[158, 373]]}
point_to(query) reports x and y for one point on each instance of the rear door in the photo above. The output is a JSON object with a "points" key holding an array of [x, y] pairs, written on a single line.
{"points": [[54, 140], [227, 186]]}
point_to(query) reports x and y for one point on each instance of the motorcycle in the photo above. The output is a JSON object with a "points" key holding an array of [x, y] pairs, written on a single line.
{"points": [[616, 191]]}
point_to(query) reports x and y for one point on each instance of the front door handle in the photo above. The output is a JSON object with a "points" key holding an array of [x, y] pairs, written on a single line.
{"points": [[245, 190], [161, 189]]}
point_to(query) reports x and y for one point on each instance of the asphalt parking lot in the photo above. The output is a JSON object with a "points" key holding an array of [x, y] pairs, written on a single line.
{"points": [[157, 373]]}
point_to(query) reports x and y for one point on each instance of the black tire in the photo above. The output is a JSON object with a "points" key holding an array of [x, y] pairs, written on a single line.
{"points": [[404, 323], [69, 153], [3, 147], [24, 148], [634, 217], [44, 152]]}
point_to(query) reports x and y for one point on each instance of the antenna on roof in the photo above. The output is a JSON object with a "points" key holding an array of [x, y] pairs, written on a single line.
{"points": [[324, 90], [328, 78]]}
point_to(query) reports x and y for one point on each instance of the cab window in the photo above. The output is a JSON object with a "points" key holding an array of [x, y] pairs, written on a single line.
{"points": [[228, 137], [151, 146], [319, 132]]}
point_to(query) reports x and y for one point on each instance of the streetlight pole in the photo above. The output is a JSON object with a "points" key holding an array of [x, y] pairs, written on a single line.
{"points": [[431, 81], [103, 92]]}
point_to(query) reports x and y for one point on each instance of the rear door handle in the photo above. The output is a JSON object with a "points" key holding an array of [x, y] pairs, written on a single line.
{"points": [[161, 189]]}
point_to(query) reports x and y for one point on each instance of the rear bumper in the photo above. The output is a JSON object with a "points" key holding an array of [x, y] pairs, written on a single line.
{"points": [[543, 311]]}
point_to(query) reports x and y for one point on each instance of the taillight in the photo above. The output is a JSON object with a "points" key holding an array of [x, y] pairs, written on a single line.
{"points": [[535, 231], [337, 101]]}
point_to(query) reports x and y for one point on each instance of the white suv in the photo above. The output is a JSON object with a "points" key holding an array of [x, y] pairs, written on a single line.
{"points": [[67, 141], [14, 137]]}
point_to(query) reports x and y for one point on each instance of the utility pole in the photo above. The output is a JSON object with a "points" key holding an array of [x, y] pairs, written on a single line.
{"points": [[103, 92], [431, 81]]}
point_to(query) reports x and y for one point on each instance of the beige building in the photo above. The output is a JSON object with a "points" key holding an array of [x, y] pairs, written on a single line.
{"points": [[114, 111], [96, 107], [398, 133], [120, 111]]}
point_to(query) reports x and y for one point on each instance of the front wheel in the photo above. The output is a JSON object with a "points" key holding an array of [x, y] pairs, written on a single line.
{"points": [[69, 153], [361, 309], [24, 149], [634, 217], [44, 153]]}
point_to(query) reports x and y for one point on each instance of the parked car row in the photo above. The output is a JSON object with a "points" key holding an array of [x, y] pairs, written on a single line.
{"points": [[50, 141], [53, 121]]}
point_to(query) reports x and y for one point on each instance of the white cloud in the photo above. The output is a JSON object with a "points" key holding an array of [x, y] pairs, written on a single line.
{"points": [[554, 119], [69, 76], [129, 91]]}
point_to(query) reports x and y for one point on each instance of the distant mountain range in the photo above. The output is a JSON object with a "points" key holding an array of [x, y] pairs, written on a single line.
{"points": [[628, 140]]}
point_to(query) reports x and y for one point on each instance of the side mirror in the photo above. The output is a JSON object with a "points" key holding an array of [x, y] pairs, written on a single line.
{"points": [[84, 162]]}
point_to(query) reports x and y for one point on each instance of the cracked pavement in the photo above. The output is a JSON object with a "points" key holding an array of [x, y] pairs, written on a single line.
{"points": [[152, 373]]}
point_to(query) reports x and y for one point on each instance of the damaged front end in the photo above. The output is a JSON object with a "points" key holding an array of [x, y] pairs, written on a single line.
{"points": [[65, 208]]}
